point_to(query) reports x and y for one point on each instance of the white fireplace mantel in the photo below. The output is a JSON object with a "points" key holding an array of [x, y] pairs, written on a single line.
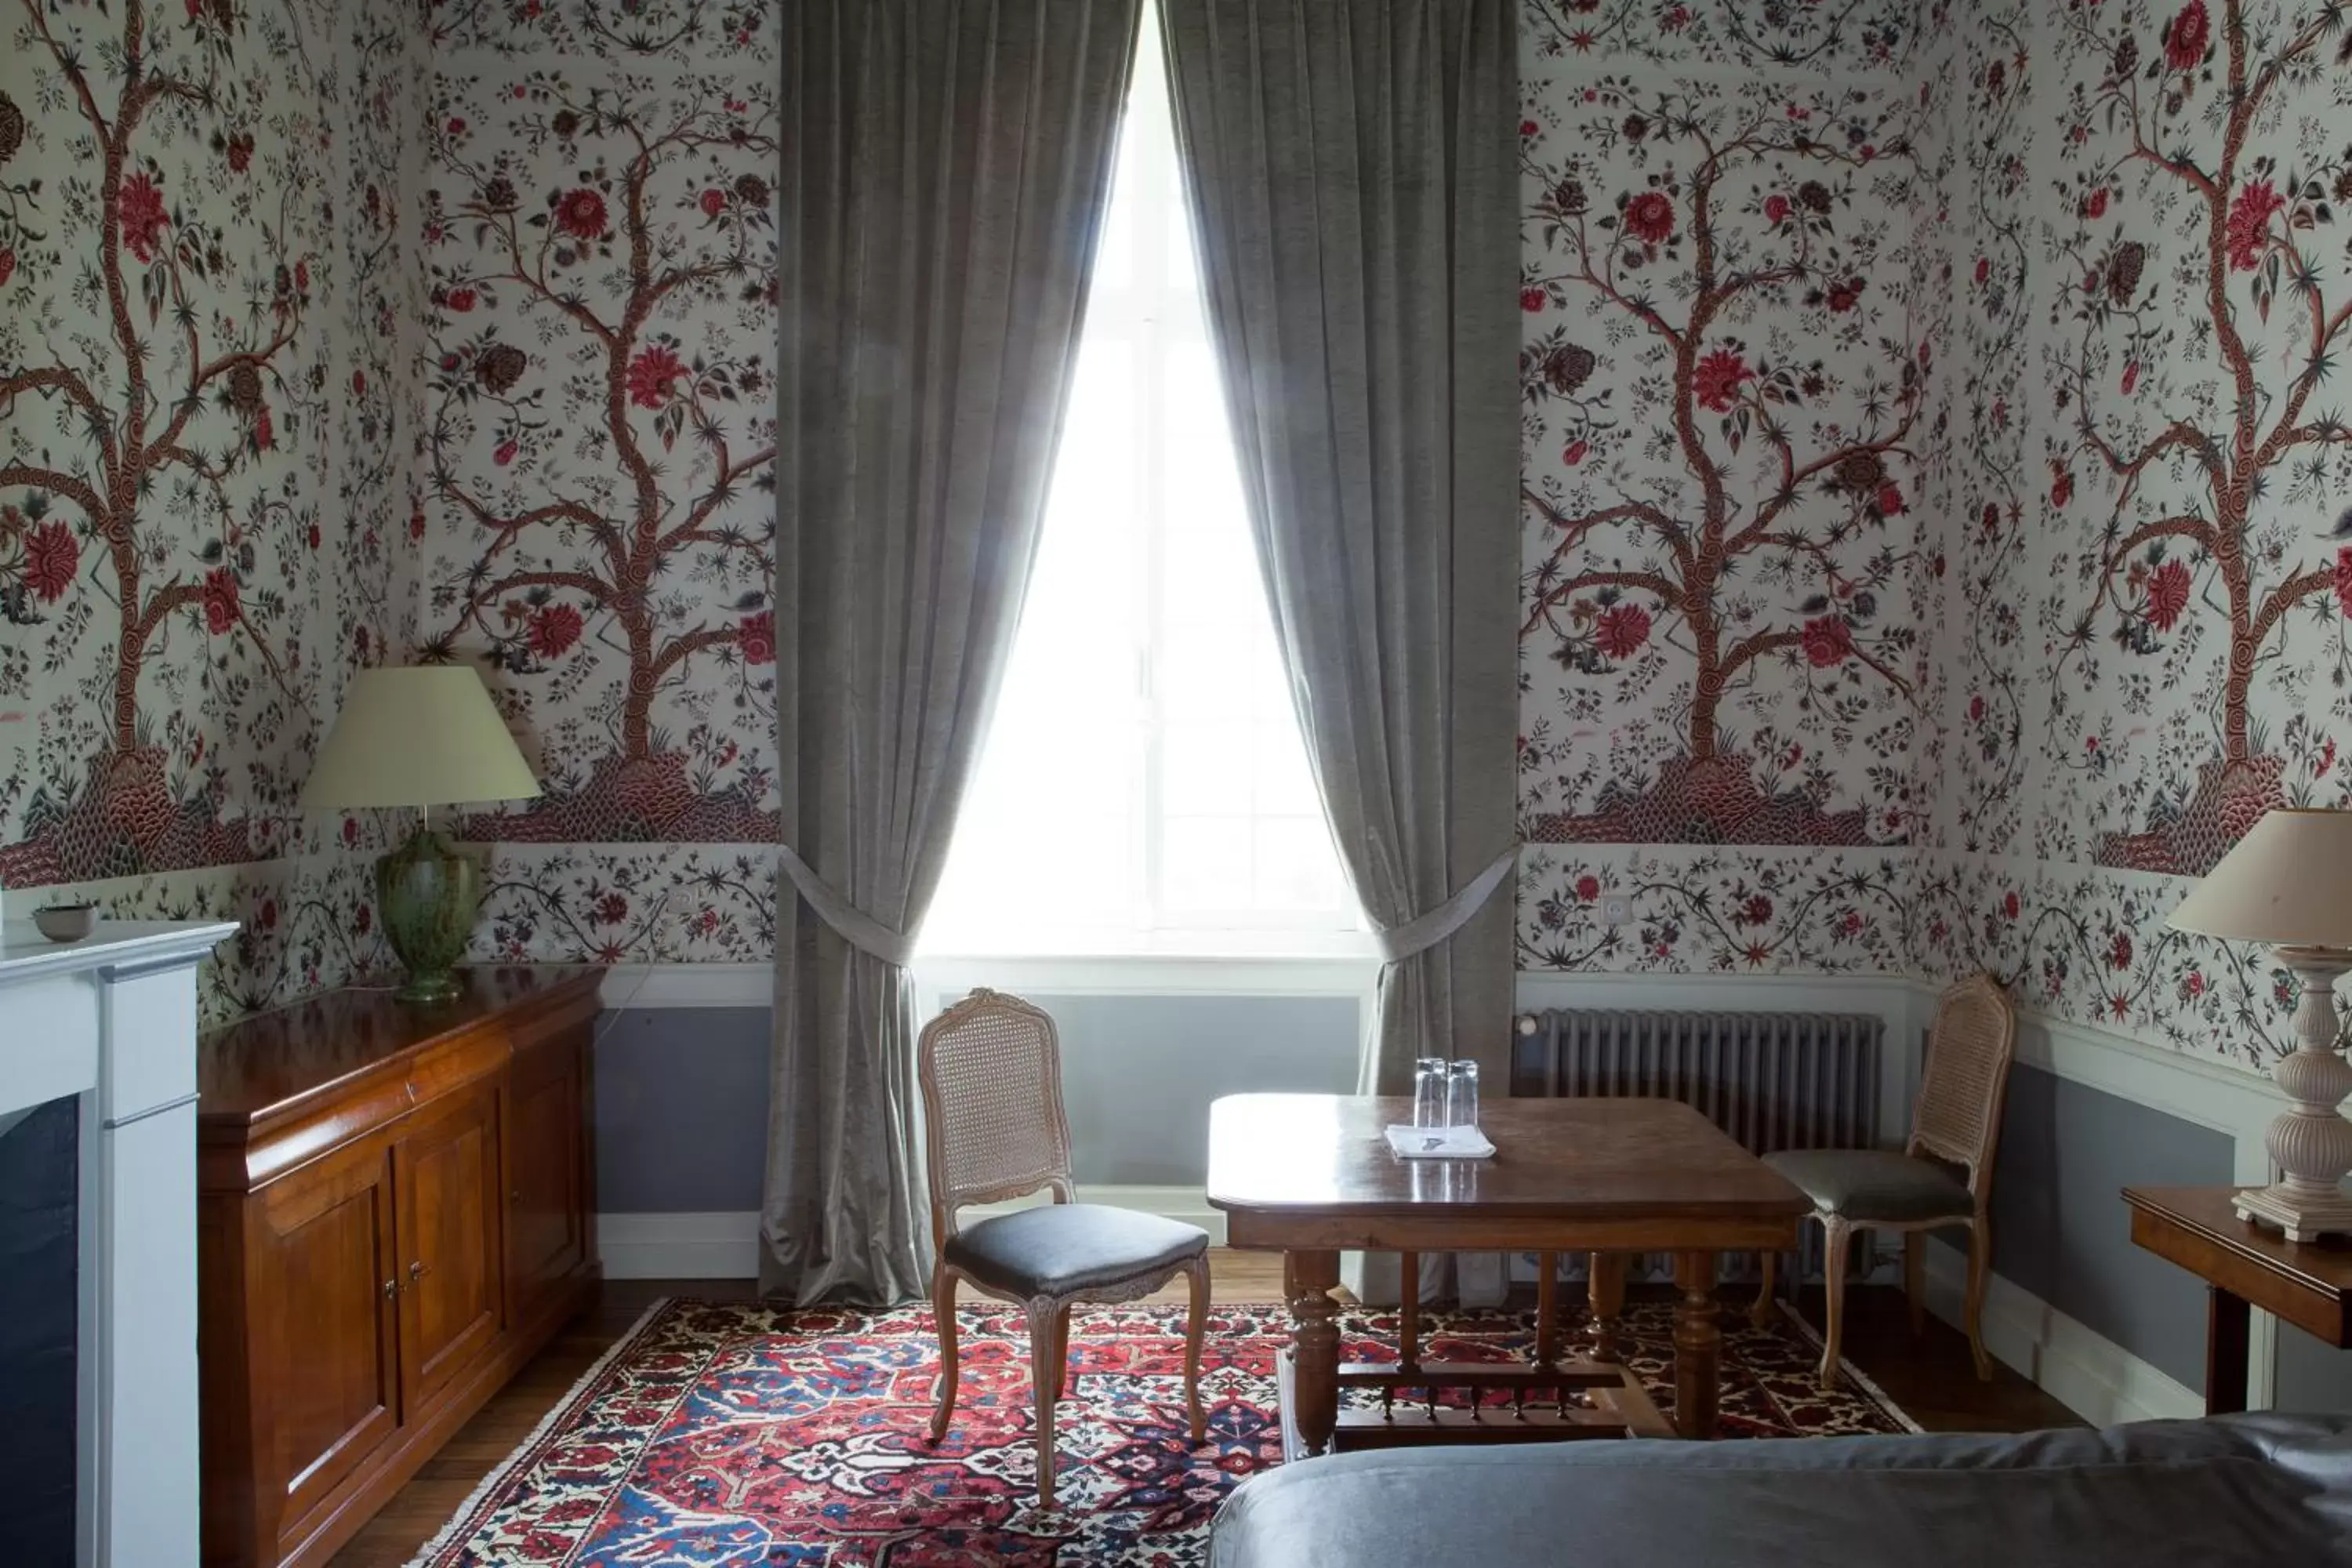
{"points": [[112, 1019]]}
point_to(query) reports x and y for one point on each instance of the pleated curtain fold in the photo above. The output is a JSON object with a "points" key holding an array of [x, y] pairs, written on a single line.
{"points": [[946, 167], [1352, 166]]}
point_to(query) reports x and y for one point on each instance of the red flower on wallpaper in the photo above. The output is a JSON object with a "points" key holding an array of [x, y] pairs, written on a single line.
{"points": [[1826, 642], [713, 201], [2062, 487], [651, 375], [461, 301], [1775, 209], [142, 215], [2119, 951], [2250, 223], [221, 606], [2342, 581], [2185, 36], [7, 266], [2167, 595], [50, 557], [1890, 500], [580, 213], [1650, 217], [757, 637], [1531, 300], [1622, 630], [1717, 383], [554, 629], [1845, 296], [1587, 888]]}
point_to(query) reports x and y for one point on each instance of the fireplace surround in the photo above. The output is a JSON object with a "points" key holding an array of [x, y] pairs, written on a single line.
{"points": [[110, 1021]]}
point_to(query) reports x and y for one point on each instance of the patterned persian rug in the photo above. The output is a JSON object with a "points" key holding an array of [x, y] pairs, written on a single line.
{"points": [[737, 1434]]}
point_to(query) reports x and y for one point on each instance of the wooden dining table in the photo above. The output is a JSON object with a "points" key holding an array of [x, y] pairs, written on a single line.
{"points": [[1311, 1176]]}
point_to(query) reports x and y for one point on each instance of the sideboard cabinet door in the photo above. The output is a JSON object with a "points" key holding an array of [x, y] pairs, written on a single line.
{"points": [[321, 1286], [445, 1173], [544, 1143]]}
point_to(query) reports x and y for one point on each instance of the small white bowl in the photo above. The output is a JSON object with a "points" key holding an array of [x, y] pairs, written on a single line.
{"points": [[66, 923]]}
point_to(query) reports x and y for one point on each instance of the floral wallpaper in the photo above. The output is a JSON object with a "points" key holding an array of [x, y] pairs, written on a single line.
{"points": [[206, 398], [1732, 299], [2155, 561], [2078, 309], [599, 246], [1934, 534]]}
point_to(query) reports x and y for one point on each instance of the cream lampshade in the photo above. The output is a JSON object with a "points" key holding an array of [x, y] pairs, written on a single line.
{"points": [[2289, 883], [422, 736]]}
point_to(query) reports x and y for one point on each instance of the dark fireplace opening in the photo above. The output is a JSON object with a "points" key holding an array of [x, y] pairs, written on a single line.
{"points": [[41, 1181]]}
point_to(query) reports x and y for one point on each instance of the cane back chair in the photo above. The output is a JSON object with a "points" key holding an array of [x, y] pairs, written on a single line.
{"points": [[1942, 1179], [994, 1129]]}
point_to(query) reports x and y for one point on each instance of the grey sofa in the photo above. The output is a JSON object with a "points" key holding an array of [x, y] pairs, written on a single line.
{"points": [[2266, 1491]]}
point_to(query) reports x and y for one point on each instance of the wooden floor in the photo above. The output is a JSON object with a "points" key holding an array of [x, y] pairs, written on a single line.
{"points": [[1931, 1380]]}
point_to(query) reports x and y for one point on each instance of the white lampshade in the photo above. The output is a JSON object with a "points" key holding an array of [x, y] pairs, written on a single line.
{"points": [[425, 735], [2288, 882]]}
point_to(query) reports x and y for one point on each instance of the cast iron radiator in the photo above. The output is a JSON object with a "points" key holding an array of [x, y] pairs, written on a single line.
{"points": [[1772, 1080]]}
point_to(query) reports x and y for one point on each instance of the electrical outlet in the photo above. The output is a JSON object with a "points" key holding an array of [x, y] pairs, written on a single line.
{"points": [[1616, 909]]}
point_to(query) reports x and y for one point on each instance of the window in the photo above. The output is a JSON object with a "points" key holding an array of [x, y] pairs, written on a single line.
{"points": [[1144, 788]]}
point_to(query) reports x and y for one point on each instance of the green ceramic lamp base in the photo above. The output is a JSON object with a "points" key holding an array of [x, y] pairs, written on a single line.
{"points": [[428, 892]]}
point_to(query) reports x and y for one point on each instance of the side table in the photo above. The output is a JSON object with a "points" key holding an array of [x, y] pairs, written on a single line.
{"points": [[2308, 1284]]}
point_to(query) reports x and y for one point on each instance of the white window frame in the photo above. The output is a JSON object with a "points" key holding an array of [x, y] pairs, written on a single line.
{"points": [[1238, 935]]}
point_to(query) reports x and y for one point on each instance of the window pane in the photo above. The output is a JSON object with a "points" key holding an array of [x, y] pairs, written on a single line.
{"points": [[1294, 864], [1206, 864], [1144, 676]]}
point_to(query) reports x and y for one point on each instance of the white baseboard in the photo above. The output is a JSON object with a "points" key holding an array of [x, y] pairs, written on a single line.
{"points": [[679, 1245], [726, 1246], [2081, 1369]]}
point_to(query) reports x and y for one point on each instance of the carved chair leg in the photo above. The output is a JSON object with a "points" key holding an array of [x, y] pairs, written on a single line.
{"points": [[943, 1310], [1194, 1327], [1760, 1311], [1841, 1240], [1915, 1279], [1047, 1352], [1069, 1379], [1979, 1265]]}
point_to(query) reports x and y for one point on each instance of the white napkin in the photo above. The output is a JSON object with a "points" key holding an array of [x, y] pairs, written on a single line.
{"points": [[1440, 1143]]}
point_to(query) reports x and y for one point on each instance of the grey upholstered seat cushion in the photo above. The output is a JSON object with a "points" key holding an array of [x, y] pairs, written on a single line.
{"points": [[2238, 1491], [1865, 1184], [1061, 1249]]}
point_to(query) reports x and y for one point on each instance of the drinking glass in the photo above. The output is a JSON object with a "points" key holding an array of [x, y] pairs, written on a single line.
{"points": [[1430, 1078], [1462, 1094]]}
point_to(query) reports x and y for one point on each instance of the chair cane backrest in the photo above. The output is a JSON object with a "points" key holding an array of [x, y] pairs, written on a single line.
{"points": [[994, 1126], [1957, 1117]]}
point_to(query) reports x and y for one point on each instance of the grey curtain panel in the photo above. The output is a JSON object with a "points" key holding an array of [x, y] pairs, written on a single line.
{"points": [[1352, 170], [946, 167]]}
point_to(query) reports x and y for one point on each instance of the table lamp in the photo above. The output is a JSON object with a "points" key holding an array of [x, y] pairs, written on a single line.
{"points": [[2289, 883], [421, 736]]}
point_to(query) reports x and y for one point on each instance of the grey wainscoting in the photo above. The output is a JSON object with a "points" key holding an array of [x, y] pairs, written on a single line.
{"points": [[2060, 1227], [681, 1109], [682, 1092]]}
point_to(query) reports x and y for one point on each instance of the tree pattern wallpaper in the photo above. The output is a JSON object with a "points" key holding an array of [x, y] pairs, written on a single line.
{"points": [[1936, 538], [599, 241], [207, 315]]}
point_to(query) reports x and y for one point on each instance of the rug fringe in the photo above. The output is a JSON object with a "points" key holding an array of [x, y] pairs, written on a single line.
{"points": [[1851, 1371], [528, 1448]]}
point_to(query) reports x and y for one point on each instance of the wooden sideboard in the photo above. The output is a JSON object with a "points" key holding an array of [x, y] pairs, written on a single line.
{"points": [[395, 1211]]}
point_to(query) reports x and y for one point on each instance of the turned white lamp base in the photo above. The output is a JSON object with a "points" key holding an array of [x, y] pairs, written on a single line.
{"points": [[2311, 1141]]}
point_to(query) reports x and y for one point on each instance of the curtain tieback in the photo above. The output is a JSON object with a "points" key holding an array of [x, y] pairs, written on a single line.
{"points": [[852, 924], [1425, 932]]}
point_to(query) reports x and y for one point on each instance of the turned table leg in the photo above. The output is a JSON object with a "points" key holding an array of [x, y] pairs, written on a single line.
{"points": [[1315, 1347], [1698, 1342], [1604, 1279]]}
